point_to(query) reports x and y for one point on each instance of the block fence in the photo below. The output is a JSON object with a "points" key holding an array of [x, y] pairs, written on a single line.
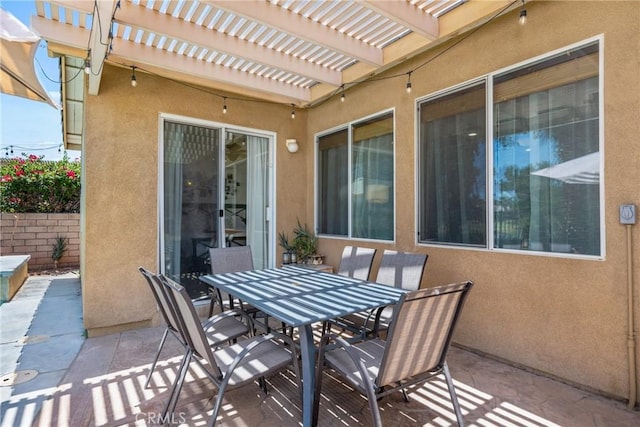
{"points": [[35, 233]]}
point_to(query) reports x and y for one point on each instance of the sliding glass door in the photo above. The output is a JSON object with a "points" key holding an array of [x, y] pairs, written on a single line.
{"points": [[215, 191]]}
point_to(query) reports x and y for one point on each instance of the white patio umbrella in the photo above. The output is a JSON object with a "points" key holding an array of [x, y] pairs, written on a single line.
{"points": [[18, 46], [582, 170]]}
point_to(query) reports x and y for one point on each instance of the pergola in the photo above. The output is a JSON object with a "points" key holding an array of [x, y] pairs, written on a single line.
{"points": [[294, 52]]}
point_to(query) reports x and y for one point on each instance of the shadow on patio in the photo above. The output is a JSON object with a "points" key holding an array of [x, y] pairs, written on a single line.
{"points": [[104, 387]]}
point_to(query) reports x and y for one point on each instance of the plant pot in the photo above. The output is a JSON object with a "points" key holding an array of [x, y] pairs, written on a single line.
{"points": [[286, 258]]}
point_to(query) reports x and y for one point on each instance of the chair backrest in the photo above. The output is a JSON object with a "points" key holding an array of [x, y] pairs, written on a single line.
{"points": [[231, 260], [157, 289], [356, 262], [190, 324], [401, 269], [420, 333]]}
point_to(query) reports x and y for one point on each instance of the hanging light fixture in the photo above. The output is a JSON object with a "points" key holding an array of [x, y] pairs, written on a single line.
{"points": [[134, 82], [409, 83], [293, 111], [342, 95], [87, 65], [523, 15], [224, 105]]}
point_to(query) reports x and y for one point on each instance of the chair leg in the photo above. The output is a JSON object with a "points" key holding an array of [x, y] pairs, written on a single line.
{"points": [[404, 394], [177, 386], [452, 392], [155, 361]]}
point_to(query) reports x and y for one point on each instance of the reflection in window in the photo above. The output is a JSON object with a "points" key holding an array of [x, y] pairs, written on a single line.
{"points": [[545, 158]]}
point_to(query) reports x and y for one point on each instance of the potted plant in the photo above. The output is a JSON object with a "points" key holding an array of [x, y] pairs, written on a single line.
{"points": [[289, 254], [305, 243]]}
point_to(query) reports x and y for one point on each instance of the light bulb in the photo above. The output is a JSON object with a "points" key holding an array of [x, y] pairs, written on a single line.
{"points": [[408, 87], [523, 17], [134, 82], [87, 66], [293, 112], [342, 98]]}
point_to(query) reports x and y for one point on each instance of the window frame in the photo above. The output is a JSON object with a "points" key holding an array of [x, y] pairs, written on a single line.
{"points": [[489, 161], [349, 126]]}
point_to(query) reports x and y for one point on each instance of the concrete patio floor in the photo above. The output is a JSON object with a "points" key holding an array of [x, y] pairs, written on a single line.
{"points": [[99, 382]]}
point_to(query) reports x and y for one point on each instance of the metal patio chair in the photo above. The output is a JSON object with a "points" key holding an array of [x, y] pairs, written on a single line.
{"points": [[415, 350], [356, 262], [229, 366], [228, 260], [399, 269], [218, 329]]}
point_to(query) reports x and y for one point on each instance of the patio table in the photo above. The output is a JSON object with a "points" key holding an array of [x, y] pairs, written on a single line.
{"points": [[300, 297]]}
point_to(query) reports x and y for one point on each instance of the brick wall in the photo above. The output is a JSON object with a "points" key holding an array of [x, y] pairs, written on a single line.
{"points": [[35, 233]]}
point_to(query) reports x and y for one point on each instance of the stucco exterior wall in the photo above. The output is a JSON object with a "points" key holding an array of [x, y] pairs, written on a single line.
{"points": [[565, 317], [120, 156]]}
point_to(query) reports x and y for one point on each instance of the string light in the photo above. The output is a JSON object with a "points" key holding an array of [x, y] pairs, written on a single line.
{"points": [[409, 83], [134, 82], [87, 65], [523, 15], [293, 111], [224, 106], [342, 96]]}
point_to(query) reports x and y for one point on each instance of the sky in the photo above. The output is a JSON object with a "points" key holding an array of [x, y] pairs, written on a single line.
{"points": [[33, 127]]}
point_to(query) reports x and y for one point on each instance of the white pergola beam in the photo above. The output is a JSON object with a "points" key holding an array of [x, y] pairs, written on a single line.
{"points": [[99, 41], [159, 23], [301, 27], [406, 14], [131, 52], [66, 35], [79, 5]]}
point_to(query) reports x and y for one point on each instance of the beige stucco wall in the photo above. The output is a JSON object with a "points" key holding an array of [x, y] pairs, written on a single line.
{"points": [[565, 317], [121, 180]]}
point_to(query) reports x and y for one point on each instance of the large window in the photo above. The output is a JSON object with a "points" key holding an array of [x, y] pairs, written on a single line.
{"points": [[542, 164], [356, 180]]}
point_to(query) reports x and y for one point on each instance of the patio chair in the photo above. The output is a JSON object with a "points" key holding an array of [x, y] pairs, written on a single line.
{"points": [[415, 350], [231, 366], [218, 329], [228, 260], [399, 269], [232, 260], [356, 262]]}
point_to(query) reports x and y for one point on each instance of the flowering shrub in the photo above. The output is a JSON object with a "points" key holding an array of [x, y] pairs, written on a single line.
{"points": [[31, 184]]}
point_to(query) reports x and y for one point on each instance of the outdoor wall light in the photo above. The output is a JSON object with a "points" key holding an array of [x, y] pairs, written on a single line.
{"points": [[292, 145], [523, 15], [134, 82]]}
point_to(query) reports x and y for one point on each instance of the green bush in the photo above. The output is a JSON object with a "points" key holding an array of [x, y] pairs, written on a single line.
{"points": [[31, 184]]}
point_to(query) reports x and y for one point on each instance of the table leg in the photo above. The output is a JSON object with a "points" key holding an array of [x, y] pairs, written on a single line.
{"points": [[308, 356]]}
